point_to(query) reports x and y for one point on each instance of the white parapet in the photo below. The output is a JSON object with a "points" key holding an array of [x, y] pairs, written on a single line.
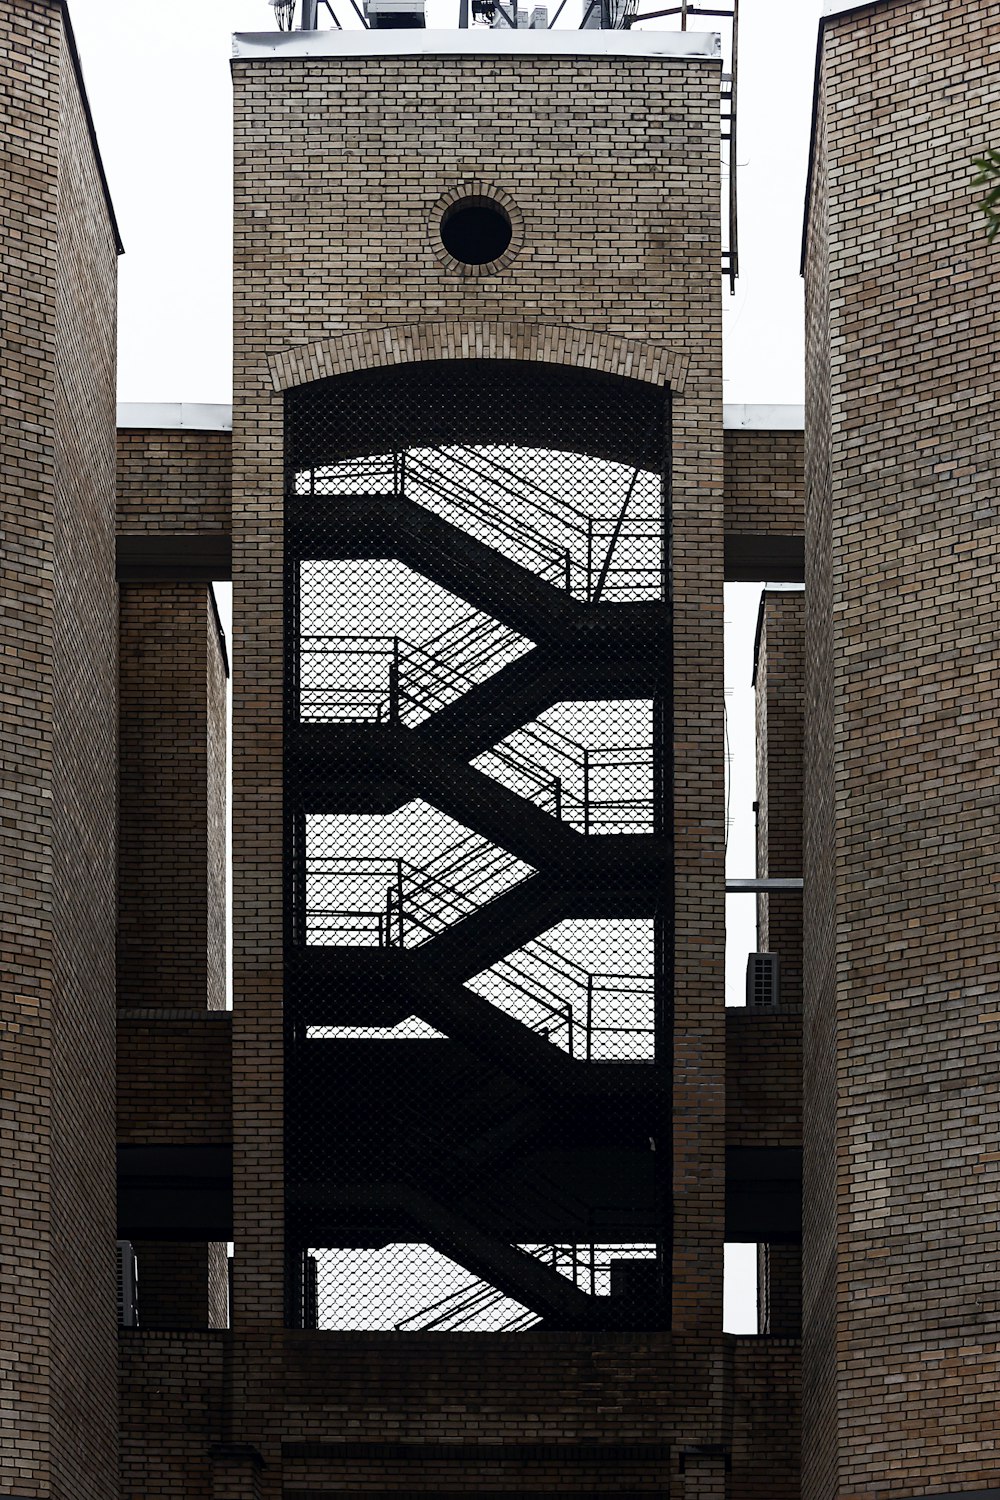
{"points": [[478, 41], [193, 415]]}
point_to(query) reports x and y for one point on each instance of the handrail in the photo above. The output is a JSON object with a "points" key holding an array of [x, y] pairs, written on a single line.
{"points": [[587, 1264], [420, 902], [498, 497], [561, 774]]}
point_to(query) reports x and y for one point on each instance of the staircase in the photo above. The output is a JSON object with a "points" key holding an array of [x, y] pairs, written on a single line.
{"points": [[565, 595]]}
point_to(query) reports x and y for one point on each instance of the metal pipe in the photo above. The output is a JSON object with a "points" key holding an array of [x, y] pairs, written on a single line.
{"points": [[764, 885], [394, 682], [310, 15], [586, 791]]}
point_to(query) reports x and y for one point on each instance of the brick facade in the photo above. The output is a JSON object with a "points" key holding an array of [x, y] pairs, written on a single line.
{"points": [[357, 284], [58, 249], [903, 738], [764, 481], [434, 1414], [172, 799], [173, 481]]}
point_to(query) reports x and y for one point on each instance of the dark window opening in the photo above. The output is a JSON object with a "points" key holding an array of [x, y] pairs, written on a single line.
{"points": [[476, 230]]}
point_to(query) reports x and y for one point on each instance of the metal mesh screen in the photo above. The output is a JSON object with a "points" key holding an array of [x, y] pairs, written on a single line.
{"points": [[478, 870]]}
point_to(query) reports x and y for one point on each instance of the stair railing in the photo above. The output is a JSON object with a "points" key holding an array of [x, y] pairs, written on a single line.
{"points": [[543, 976], [494, 492]]}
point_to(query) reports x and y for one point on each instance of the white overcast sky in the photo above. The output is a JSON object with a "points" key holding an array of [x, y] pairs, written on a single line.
{"points": [[157, 74]]}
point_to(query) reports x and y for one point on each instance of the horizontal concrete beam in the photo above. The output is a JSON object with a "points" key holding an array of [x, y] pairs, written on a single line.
{"points": [[764, 557], [216, 417], [175, 1193], [763, 1194], [478, 41], [764, 885], [186, 416], [161, 557]]}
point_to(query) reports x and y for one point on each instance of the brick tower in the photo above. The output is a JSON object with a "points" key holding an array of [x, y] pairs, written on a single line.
{"points": [[482, 399]]}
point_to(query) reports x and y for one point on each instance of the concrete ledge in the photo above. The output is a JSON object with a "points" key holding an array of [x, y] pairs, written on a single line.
{"points": [[218, 417], [737, 417]]}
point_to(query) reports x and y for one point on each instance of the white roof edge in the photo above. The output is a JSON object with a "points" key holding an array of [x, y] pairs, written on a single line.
{"points": [[764, 418], [192, 415], [218, 417], [479, 40], [841, 7]]}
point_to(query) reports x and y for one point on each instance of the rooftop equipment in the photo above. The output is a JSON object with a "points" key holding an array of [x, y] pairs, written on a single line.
{"points": [[392, 15]]}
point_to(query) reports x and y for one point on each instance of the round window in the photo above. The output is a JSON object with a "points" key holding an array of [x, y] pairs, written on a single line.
{"points": [[476, 230]]}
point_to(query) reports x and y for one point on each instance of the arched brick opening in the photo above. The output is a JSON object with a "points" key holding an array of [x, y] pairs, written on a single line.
{"points": [[551, 343]]}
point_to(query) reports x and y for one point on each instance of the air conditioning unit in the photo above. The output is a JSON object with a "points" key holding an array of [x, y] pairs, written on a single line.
{"points": [[128, 1286], [762, 981], [394, 15]]}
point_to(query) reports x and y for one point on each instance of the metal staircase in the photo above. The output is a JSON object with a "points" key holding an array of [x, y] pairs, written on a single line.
{"points": [[551, 555]]}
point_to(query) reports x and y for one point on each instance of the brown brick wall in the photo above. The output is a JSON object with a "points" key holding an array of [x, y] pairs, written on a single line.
{"points": [[57, 1317], [171, 902], [171, 1413], [779, 680], [763, 1078], [84, 713], [31, 146], [436, 1414], [820, 1461], [902, 855], [181, 1285], [765, 1420], [764, 481], [174, 1078], [173, 481]]}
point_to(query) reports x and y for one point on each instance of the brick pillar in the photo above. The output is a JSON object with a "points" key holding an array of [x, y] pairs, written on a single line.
{"points": [[172, 874], [779, 1290], [236, 1472], [779, 675], [704, 1475], [182, 1285], [171, 799]]}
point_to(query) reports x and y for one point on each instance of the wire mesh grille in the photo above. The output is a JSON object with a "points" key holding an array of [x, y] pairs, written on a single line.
{"points": [[605, 545], [477, 879], [413, 1288], [396, 881], [380, 644], [588, 764], [588, 987]]}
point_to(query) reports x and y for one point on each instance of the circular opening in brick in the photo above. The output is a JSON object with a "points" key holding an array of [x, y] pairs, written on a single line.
{"points": [[476, 230]]}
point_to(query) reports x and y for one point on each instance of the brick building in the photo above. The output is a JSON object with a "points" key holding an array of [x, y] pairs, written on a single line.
{"points": [[478, 1122]]}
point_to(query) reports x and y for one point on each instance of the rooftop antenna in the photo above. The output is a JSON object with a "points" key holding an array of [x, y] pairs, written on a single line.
{"points": [[284, 13]]}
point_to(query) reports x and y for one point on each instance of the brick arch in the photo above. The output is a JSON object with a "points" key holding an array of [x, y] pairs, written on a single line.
{"points": [[459, 338]]}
